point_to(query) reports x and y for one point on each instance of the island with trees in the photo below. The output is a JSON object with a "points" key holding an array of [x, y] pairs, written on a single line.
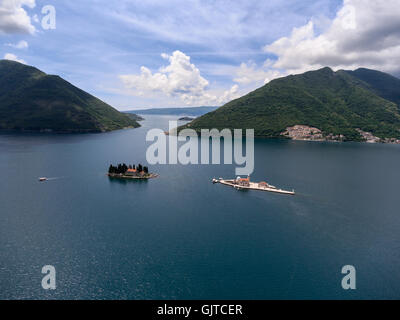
{"points": [[123, 171]]}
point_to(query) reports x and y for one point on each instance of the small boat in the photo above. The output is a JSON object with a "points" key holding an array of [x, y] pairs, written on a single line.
{"points": [[43, 179]]}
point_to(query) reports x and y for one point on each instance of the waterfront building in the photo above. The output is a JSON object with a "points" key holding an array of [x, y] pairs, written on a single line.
{"points": [[244, 182]]}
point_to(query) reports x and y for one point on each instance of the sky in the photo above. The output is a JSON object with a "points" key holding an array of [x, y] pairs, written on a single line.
{"points": [[169, 53]]}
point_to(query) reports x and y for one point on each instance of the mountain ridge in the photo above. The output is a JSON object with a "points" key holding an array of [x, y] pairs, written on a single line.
{"points": [[31, 100], [337, 103]]}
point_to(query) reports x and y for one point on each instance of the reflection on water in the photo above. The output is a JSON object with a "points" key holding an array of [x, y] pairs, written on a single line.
{"points": [[126, 181]]}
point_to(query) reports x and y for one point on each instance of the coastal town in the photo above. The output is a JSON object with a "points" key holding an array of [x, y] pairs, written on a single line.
{"points": [[370, 138], [307, 133]]}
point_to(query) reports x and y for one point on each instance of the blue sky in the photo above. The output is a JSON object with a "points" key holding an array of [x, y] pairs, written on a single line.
{"points": [[140, 54]]}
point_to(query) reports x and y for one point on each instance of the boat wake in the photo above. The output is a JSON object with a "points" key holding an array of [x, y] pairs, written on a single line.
{"points": [[45, 179]]}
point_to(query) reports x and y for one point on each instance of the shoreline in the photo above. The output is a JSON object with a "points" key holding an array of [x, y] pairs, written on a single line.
{"points": [[121, 176], [283, 138]]}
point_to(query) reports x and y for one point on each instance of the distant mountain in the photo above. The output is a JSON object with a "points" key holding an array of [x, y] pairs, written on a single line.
{"points": [[32, 100], [342, 105], [191, 111], [135, 117]]}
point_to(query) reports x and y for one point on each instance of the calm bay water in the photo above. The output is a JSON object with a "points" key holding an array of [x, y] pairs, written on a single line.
{"points": [[181, 237]]}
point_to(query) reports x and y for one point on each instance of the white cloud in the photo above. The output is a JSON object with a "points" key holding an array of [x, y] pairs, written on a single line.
{"points": [[364, 33], [13, 57], [249, 73], [35, 18], [14, 18], [229, 95], [20, 45], [180, 78], [212, 98]]}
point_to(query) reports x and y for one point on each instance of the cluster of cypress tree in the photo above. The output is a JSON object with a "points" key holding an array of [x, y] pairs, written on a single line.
{"points": [[123, 168]]}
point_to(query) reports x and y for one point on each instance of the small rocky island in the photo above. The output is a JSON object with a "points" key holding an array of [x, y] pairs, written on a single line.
{"points": [[123, 171]]}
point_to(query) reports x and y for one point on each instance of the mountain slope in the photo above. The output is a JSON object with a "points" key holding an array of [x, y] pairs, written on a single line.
{"points": [[33, 100], [383, 84], [335, 102]]}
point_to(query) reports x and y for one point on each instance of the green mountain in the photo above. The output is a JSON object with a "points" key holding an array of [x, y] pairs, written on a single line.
{"points": [[32, 100], [383, 84], [337, 103]]}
